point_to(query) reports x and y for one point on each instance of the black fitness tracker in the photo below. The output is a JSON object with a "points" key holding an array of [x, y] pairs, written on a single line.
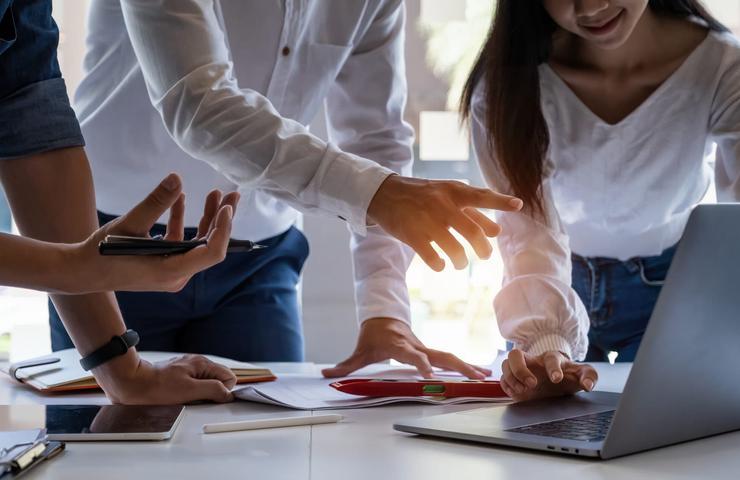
{"points": [[118, 346]]}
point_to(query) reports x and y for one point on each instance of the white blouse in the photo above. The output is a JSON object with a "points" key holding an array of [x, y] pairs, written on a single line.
{"points": [[613, 190]]}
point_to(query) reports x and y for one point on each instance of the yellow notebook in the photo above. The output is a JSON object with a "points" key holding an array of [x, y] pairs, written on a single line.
{"points": [[67, 375]]}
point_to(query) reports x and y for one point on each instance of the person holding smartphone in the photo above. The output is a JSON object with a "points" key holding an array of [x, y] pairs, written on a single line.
{"points": [[47, 179]]}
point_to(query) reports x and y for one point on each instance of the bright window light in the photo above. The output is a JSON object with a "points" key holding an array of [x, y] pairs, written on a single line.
{"points": [[441, 138]]}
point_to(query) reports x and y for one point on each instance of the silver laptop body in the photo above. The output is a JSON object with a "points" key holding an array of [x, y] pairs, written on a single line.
{"points": [[685, 380]]}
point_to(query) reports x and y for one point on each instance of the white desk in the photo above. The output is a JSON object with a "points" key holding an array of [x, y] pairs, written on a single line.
{"points": [[363, 446]]}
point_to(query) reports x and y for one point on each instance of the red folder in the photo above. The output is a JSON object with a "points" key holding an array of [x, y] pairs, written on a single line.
{"points": [[371, 387]]}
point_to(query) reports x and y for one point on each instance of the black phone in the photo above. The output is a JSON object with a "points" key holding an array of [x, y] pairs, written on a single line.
{"points": [[122, 245]]}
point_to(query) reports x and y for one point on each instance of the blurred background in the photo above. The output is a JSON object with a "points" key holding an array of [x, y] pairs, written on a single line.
{"points": [[451, 310]]}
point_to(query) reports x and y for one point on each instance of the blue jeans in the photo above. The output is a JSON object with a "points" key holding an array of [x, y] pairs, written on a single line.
{"points": [[35, 115], [619, 297], [245, 308]]}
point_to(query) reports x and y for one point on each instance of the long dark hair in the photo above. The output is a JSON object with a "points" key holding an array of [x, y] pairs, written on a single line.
{"points": [[520, 40]]}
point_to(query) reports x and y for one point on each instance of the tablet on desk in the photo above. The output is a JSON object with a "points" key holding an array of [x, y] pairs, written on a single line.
{"points": [[76, 423]]}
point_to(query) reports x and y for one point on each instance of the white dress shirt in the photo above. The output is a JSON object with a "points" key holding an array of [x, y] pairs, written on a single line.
{"points": [[221, 92], [618, 191]]}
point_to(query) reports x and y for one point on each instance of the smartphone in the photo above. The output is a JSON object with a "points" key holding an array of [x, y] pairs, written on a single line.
{"points": [[122, 245]]}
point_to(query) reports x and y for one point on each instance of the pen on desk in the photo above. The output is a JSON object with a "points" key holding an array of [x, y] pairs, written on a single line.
{"points": [[270, 423]]}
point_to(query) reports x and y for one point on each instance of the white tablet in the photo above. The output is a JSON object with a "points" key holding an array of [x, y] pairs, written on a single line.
{"points": [[94, 422]]}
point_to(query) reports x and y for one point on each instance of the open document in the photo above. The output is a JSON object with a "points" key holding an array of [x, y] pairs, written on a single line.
{"points": [[312, 391]]}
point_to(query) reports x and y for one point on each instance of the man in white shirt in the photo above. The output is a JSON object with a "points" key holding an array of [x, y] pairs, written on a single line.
{"points": [[231, 86]]}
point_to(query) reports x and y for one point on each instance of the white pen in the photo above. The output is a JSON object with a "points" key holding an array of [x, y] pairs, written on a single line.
{"points": [[270, 423]]}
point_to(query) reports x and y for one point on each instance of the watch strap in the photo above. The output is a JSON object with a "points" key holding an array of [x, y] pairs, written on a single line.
{"points": [[117, 346]]}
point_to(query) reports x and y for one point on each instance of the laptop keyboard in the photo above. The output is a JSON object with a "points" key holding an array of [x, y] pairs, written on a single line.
{"points": [[587, 428]]}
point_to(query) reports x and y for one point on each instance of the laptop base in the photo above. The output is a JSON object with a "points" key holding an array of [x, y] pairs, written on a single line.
{"points": [[490, 424]]}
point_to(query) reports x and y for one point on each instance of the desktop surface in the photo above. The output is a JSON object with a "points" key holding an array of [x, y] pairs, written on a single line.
{"points": [[363, 446]]}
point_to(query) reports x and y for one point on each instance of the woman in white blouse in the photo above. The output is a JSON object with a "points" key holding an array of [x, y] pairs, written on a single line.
{"points": [[600, 115]]}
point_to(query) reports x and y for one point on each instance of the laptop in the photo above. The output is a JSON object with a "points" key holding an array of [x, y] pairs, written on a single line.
{"points": [[685, 380]]}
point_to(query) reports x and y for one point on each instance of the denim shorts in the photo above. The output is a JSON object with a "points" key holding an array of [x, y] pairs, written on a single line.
{"points": [[35, 114], [619, 297]]}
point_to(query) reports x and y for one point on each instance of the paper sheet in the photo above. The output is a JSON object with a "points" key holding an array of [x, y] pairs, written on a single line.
{"points": [[312, 392]]}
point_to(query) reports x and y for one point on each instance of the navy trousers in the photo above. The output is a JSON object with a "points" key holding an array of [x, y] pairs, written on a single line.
{"points": [[619, 297], [245, 308]]}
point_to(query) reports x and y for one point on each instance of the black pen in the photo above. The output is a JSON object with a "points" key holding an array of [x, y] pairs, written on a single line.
{"points": [[120, 245]]}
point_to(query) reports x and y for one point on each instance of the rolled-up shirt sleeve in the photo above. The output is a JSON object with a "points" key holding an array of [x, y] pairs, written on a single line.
{"points": [[185, 61], [365, 109], [536, 308], [35, 114]]}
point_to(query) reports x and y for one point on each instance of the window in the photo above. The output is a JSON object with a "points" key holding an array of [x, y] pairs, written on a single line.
{"points": [[451, 310]]}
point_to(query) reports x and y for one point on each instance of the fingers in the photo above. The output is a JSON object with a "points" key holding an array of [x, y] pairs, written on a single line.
{"points": [[512, 386], [450, 362], [212, 380], [486, 198], [204, 256], [418, 359], [141, 218], [454, 250], [203, 368], [428, 254], [176, 224], [231, 198], [214, 251], [213, 390], [552, 361], [506, 387], [208, 380], [491, 228], [485, 371], [215, 201], [221, 373], [508, 379], [218, 238], [474, 234], [210, 209], [587, 377], [342, 369], [518, 364]]}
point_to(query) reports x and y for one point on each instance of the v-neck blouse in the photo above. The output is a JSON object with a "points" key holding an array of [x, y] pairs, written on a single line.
{"points": [[614, 190], [549, 76]]}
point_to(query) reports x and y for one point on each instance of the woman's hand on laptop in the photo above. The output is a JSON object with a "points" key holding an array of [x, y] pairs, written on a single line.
{"points": [[551, 374], [154, 273], [382, 339]]}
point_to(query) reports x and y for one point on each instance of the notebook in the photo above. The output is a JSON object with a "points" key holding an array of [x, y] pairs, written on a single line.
{"points": [[67, 375]]}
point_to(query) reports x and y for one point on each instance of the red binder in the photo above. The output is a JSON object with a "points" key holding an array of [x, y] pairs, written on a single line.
{"points": [[371, 387]]}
